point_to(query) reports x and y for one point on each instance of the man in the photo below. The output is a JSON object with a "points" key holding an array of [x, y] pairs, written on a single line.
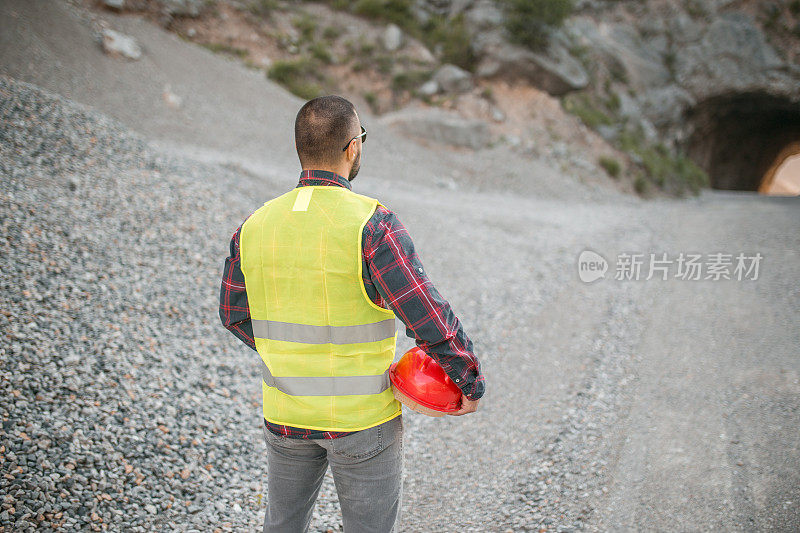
{"points": [[313, 283]]}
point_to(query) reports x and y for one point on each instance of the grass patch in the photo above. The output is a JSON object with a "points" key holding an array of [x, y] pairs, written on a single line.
{"points": [[674, 173], [262, 8], [221, 48], [582, 106], [330, 33], [611, 166], [528, 21], [306, 25], [640, 185], [384, 63], [695, 8], [320, 52], [450, 35], [454, 39], [372, 101], [670, 61], [397, 11], [366, 48], [301, 77]]}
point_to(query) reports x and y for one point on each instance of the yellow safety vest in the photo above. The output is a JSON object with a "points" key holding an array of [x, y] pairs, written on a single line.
{"points": [[325, 346]]}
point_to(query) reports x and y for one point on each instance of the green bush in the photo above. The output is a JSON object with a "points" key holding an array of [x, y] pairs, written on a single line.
{"points": [[640, 185], [262, 8], [672, 172], [330, 33], [320, 51], [454, 38], [221, 48], [306, 25], [451, 34], [410, 80], [397, 11], [372, 101], [582, 106], [610, 165], [528, 21], [299, 76]]}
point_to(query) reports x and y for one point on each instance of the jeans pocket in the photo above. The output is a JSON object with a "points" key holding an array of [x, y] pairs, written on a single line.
{"points": [[362, 444]]}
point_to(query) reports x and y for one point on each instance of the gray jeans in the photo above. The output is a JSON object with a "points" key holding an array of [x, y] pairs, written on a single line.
{"points": [[367, 469]]}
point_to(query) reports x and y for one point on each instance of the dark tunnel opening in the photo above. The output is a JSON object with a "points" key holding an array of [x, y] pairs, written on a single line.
{"points": [[741, 139]]}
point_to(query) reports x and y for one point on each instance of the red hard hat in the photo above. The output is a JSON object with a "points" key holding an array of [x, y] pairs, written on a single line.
{"points": [[421, 384]]}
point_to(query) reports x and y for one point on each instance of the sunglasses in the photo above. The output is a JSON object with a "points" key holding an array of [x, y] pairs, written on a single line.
{"points": [[363, 135]]}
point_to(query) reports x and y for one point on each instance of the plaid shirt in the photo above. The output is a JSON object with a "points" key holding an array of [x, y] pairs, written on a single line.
{"points": [[394, 279]]}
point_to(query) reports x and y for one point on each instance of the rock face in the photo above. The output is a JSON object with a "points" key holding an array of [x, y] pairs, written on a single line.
{"points": [[732, 53], [119, 44], [440, 126]]}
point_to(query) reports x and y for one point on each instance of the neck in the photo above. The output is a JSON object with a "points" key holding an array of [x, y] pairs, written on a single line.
{"points": [[342, 171]]}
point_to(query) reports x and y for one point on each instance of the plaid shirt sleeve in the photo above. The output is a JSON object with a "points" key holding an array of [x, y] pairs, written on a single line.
{"points": [[397, 280], [233, 309]]}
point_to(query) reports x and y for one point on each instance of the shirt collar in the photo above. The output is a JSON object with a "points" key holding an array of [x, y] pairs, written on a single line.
{"points": [[323, 177]]}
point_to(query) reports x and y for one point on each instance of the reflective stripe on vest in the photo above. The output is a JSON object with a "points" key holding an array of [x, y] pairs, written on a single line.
{"points": [[286, 331], [326, 386]]}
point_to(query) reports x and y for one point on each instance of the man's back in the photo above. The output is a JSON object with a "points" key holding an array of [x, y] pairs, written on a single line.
{"points": [[326, 347]]}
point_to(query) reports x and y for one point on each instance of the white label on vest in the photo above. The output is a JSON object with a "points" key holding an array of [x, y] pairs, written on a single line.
{"points": [[303, 198]]}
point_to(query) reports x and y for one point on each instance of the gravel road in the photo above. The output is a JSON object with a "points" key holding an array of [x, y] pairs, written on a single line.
{"points": [[616, 405]]}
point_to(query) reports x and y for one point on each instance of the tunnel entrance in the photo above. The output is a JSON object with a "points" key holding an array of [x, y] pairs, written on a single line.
{"points": [[742, 139], [784, 176]]}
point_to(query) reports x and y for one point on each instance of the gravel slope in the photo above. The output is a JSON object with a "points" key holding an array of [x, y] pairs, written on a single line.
{"points": [[124, 406]]}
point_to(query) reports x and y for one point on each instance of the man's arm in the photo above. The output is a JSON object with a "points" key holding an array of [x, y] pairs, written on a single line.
{"points": [[234, 311], [397, 275]]}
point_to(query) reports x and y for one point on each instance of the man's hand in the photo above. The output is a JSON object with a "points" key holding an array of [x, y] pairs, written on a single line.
{"points": [[467, 406]]}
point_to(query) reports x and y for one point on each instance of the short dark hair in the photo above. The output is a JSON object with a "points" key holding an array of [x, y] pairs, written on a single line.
{"points": [[322, 128]]}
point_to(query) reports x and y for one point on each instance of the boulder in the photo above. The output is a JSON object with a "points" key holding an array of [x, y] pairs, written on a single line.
{"points": [[418, 53], [453, 79], [116, 5], [554, 71], [441, 126], [119, 44], [392, 38], [458, 7], [182, 8], [483, 15], [429, 88]]}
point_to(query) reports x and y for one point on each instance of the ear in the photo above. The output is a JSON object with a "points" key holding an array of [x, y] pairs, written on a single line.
{"points": [[350, 153]]}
